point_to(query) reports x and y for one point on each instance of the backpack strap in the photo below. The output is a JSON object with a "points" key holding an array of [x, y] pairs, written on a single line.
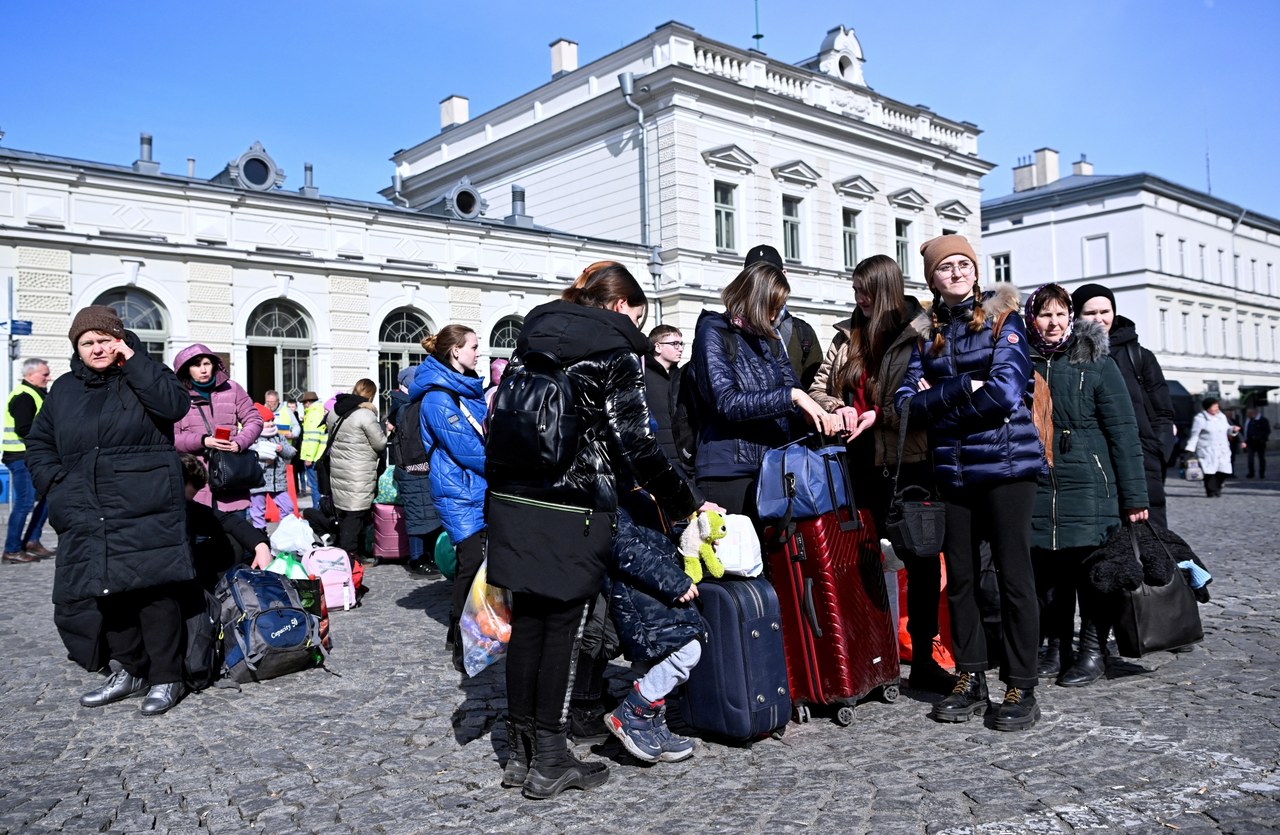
{"points": [[435, 442]]}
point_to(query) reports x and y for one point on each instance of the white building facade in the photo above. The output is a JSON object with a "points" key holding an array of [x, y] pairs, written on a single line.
{"points": [[738, 149], [295, 290], [1197, 274]]}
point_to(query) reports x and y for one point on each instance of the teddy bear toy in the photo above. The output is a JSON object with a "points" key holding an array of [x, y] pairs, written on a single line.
{"points": [[697, 544]]}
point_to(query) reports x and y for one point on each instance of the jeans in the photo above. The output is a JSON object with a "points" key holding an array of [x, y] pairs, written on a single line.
{"points": [[659, 679], [24, 499], [313, 482]]}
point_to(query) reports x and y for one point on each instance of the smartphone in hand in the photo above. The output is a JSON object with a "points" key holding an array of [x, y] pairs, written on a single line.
{"points": [[222, 433]]}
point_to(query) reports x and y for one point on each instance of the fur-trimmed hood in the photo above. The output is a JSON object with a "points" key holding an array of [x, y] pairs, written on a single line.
{"points": [[1089, 342], [1002, 300]]}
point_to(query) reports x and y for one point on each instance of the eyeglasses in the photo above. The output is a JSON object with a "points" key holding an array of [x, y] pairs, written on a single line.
{"points": [[962, 267], [676, 344]]}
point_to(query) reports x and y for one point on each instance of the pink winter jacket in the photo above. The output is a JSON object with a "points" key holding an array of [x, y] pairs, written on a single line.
{"points": [[231, 406]]}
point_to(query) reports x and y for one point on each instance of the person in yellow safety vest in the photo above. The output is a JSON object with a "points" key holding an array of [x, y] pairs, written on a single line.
{"points": [[19, 413], [314, 436], [284, 418]]}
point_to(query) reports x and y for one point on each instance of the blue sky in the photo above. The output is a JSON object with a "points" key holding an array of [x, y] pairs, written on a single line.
{"points": [[1137, 85]]}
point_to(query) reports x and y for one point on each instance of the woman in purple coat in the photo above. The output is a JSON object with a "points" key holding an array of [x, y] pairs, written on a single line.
{"points": [[217, 401]]}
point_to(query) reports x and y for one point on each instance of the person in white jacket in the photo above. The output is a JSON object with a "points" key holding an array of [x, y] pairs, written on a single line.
{"points": [[1209, 441]]}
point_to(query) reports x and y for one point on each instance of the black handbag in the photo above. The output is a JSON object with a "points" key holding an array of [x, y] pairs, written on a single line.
{"points": [[1155, 618], [231, 472], [915, 524]]}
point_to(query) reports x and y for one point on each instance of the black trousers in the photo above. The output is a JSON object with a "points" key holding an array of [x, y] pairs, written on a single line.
{"points": [[1001, 515], [471, 553], [872, 491], [1213, 483], [735, 495], [1259, 453], [1060, 580], [350, 526], [144, 630], [542, 659]]}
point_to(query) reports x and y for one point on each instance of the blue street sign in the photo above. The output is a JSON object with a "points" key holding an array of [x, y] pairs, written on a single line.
{"points": [[20, 327]]}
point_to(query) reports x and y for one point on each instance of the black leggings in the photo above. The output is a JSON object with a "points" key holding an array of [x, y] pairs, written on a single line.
{"points": [[542, 659], [471, 553], [1061, 578], [144, 632], [1000, 514], [350, 526]]}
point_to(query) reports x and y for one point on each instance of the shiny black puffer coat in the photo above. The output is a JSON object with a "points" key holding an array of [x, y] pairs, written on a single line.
{"points": [[646, 578], [101, 449]]}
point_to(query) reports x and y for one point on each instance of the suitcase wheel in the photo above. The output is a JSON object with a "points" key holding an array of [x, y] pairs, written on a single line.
{"points": [[845, 716], [801, 714], [889, 693]]}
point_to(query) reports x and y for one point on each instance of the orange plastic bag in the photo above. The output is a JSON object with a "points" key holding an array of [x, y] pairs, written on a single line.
{"points": [[942, 642]]}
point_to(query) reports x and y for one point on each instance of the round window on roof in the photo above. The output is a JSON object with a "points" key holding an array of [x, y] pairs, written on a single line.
{"points": [[256, 171]]}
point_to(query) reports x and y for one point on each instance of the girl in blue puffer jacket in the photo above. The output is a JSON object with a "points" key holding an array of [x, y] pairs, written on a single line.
{"points": [[970, 382]]}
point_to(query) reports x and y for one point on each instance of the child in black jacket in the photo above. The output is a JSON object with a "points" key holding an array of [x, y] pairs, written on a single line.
{"points": [[660, 632]]}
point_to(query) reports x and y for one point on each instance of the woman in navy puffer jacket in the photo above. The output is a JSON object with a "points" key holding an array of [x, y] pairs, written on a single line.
{"points": [[970, 382], [747, 393]]}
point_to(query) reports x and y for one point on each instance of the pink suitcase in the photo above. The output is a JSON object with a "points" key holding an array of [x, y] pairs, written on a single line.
{"points": [[390, 536]]}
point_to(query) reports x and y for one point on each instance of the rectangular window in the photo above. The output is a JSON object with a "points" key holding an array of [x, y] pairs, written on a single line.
{"points": [[1186, 333], [1096, 256], [1235, 270], [1224, 337], [791, 228], [849, 234], [1002, 267], [1257, 340], [1240, 338], [1164, 330], [1204, 264], [1182, 256], [1222, 267], [1253, 274], [1204, 334], [902, 245], [724, 196], [1159, 253]]}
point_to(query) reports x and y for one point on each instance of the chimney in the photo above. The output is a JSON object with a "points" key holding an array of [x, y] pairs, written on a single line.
{"points": [[518, 216], [143, 164], [191, 167], [1046, 166], [309, 187], [1024, 175], [564, 57], [1082, 167], [453, 112]]}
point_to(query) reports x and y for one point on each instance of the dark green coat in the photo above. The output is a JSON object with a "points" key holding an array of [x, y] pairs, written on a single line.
{"points": [[1097, 457]]}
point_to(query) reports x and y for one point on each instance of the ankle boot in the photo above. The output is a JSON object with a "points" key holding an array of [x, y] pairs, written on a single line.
{"points": [[1090, 663], [1018, 711], [554, 769], [520, 747], [928, 676], [121, 685], [1050, 659], [967, 700]]}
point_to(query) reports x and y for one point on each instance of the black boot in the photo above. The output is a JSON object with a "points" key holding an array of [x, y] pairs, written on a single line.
{"points": [[520, 747], [967, 700], [1018, 711], [1050, 659], [586, 721], [1090, 663], [555, 769], [928, 676]]}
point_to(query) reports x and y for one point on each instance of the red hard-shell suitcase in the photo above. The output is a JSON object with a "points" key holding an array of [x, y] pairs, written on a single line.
{"points": [[390, 536], [837, 626]]}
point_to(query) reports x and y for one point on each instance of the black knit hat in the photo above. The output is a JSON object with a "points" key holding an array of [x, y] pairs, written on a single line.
{"points": [[97, 317], [1085, 292]]}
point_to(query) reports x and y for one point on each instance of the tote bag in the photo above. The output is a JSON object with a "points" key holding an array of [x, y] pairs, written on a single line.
{"points": [[1154, 618]]}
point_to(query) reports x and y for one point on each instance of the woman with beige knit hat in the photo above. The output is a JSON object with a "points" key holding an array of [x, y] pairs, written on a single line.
{"points": [[969, 381], [101, 449]]}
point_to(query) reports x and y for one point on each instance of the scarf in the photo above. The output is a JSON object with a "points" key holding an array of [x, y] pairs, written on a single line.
{"points": [[1038, 342]]}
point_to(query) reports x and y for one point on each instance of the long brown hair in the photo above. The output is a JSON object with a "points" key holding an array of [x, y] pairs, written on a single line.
{"points": [[441, 343], [365, 388], [870, 337], [755, 296], [603, 284]]}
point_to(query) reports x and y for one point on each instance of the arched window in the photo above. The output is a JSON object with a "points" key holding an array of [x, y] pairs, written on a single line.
{"points": [[279, 337], [399, 347], [502, 341], [142, 314]]}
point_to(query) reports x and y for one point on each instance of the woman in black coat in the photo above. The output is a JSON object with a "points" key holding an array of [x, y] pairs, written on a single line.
{"points": [[592, 334], [102, 451]]}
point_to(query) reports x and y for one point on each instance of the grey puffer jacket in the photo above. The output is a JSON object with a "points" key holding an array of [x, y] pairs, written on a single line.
{"points": [[353, 464], [275, 473]]}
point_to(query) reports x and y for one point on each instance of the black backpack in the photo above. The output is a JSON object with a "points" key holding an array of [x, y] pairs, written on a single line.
{"points": [[533, 423]]}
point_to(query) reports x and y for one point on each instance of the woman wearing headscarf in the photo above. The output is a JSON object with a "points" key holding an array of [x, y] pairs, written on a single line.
{"points": [[101, 449], [1210, 441], [969, 382], [1094, 479], [216, 402]]}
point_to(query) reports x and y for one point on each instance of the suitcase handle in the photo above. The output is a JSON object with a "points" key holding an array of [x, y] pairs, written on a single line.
{"points": [[810, 611]]}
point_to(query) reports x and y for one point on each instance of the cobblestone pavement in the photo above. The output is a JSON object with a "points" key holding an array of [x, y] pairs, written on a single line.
{"points": [[390, 741]]}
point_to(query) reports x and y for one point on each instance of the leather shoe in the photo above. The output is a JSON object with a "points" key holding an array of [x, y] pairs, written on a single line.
{"points": [[35, 549], [967, 700], [1018, 711], [121, 685], [161, 697], [18, 557]]}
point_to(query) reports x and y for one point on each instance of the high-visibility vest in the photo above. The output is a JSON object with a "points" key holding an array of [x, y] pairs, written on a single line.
{"points": [[13, 443], [284, 421], [314, 433]]}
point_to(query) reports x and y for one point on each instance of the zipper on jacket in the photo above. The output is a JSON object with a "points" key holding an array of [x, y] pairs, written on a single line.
{"points": [[562, 508], [1106, 483]]}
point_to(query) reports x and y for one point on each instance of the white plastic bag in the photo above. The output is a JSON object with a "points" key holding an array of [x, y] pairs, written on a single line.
{"points": [[266, 450], [739, 551], [293, 534]]}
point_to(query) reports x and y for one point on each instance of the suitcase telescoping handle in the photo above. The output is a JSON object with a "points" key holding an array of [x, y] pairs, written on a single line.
{"points": [[852, 523]]}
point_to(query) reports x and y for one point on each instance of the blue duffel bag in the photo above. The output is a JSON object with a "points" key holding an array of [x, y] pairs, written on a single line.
{"points": [[800, 482]]}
